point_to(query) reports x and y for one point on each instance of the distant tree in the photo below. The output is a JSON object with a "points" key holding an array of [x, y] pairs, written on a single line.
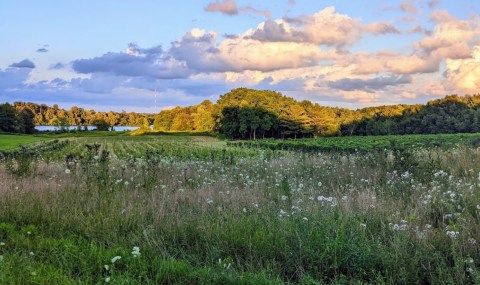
{"points": [[101, 125], [8, 118]]}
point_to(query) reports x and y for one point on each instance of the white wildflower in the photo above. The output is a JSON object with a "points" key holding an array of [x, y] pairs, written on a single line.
{"points": [[116, 258], [106, 267], [67, 171], [136, 251], [107, 280], [284, 198], [452, 234]]}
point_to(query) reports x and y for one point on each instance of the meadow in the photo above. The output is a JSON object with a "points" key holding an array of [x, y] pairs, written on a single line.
{"points": [[198, 210], [9, 141]]}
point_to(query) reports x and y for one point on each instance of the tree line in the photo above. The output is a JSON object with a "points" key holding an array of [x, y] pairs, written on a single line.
{"points": [[54, 116], [250, 114]]}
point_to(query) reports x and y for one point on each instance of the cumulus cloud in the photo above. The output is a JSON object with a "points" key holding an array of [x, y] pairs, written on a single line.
{"points": [[135, 61], [370, 85], [312, 56], [450, 37], [413, 64], [13, 78], [26, 63], [227, 7], [200, 51], [464, 74], [325, 27]]}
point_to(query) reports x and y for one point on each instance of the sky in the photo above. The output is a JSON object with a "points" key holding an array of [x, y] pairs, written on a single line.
{"points": [[147, 56]]}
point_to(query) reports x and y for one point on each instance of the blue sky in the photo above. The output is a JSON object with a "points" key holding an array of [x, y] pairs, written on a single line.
{"points": [[119, 54]]}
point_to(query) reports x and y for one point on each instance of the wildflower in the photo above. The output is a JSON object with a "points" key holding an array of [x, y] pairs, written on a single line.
{"points": [[107, 280], [319, 184], [115, 259], [209, 201], [2, 243], [244, 210], [106, 267], [363, 225], [136, 251], [305, 219], [67, 171], [31, 253], [452, 234], [284, 198], [472, 241]]}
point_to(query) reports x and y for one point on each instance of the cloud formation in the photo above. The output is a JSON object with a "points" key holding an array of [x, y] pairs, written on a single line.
{"points": [[26, 63], [320, 56], [227, 7], [370, 85]]}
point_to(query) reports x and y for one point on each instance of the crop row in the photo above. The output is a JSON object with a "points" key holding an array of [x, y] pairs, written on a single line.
{"points": [[359, 144]]}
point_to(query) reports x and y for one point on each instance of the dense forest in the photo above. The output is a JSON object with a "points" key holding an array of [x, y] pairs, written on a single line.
{"points": [[249, 114], [14, 120], [11, 117]]}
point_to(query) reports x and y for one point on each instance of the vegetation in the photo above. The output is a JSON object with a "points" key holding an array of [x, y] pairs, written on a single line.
{"points": [[363, 143], [194, 210], [54, 116], [9, 141], [250, 114], [14, 120]]}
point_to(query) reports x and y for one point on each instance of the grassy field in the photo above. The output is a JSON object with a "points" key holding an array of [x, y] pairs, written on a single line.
{"points": [[8, 142], [196, 210]]}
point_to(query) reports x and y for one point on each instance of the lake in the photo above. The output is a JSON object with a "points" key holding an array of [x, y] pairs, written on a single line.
{"points": [[73, 128]]}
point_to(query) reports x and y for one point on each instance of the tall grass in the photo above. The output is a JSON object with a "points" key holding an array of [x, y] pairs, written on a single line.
{"points": [[405, 217]]}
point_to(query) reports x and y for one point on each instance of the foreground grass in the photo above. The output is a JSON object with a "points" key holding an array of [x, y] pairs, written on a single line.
{"points": [[8, 141], [259, 218]]}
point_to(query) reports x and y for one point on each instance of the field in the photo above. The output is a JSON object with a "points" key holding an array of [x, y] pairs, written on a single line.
{"points": [[8, 141], [197, 210], [363, 144]]}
